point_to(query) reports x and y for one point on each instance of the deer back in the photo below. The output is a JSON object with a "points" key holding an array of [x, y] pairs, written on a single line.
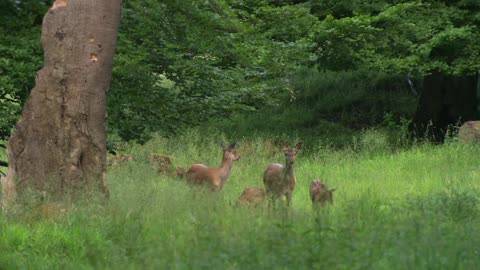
{"points": [[214, 177], [252, 196]]}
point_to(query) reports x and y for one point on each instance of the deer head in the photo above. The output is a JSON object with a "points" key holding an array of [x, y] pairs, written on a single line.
{"points": [[230, 152], [290, 153]]}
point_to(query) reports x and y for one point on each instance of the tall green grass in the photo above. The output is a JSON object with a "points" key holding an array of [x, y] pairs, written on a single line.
{"points": [[411, 208]]}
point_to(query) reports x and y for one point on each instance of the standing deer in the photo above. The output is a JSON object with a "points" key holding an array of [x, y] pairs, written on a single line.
{"points": [[320, 194], [215, 178], [279, 179]]}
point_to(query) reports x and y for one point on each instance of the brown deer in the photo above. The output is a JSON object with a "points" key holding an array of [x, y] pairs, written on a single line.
{"points": [[164, 165], [120, 159], [320, 194], [252, 196], [279, 180], [215, 178]]}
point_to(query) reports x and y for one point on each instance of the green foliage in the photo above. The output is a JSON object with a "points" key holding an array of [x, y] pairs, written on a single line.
{"points": [[198, 60], [20, 56], [391, 211], [332, 106], [3, 157], [396, 37], [288, 122], [356, 99]]}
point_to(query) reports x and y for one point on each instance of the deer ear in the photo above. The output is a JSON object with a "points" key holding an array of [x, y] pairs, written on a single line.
{"points": [[223, 146], [234, 145], [299, 145]]}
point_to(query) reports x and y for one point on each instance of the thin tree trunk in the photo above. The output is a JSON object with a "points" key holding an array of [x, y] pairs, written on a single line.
{"points": [[59, 144]]}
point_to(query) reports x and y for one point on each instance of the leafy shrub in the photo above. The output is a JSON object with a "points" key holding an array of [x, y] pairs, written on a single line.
{"points": [[355, 99], [20, 57]]}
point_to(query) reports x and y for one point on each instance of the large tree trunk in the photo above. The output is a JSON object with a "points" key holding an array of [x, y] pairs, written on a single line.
{"points": [[445, 100], [59, 145]]}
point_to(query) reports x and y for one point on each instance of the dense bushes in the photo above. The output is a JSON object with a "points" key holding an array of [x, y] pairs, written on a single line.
{"points": [[356, 99], [20, 56], [179, 64]]}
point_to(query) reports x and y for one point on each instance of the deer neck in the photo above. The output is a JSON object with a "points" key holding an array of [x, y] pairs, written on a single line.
{"points": [[289, 172], [225, 168]]}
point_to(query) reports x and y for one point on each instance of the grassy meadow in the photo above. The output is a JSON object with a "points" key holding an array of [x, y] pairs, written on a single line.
{"points": [[415, 207]]}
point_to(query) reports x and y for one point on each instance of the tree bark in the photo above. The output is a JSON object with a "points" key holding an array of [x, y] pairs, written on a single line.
{"points": [[59, 144]]}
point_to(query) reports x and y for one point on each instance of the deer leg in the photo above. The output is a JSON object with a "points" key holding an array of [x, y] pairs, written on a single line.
{"points": [[289, 198]]}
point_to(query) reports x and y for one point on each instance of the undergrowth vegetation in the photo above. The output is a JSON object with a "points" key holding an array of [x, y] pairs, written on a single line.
{"points": [[415, 207]]}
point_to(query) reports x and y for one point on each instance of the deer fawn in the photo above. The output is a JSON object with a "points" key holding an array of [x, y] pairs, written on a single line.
{"points": [[215, 178], [252, 196], [279, 179], [320, 194]]}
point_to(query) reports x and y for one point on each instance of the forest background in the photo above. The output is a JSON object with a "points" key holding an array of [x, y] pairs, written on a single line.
{"points": [[326, 68]]}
